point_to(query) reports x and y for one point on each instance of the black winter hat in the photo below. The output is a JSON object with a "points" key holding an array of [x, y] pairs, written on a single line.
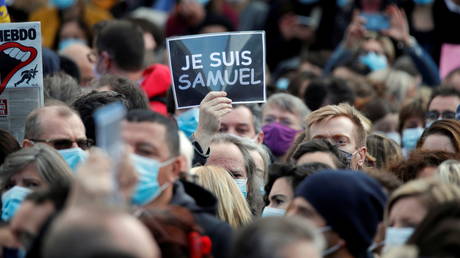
{"points": [[351, 202]]}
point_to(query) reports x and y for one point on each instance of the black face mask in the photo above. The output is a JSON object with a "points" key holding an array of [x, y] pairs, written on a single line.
{"points": [[346, 158]]}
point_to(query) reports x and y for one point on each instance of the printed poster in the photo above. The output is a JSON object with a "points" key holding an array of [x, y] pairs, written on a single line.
{"points": [[21, 74], [233, 62]]}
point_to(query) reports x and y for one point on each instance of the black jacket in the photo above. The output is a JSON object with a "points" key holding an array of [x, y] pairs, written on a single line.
{"points": [[203, 205]]}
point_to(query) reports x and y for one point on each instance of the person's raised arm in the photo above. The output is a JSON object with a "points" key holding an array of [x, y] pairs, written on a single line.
{"points": [[212, 108], [353, 35], [399, 31]]}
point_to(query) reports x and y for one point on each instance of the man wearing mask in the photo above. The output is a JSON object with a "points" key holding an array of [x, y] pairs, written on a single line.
{"points": [[346, 206], [282, 118], [61, 128], [443, 105], [343, 126], [155, 143]]}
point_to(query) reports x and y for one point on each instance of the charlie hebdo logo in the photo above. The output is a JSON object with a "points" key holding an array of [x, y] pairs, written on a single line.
{"points": [[13, 57]]}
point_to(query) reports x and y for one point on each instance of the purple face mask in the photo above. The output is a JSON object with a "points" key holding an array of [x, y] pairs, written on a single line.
{"points": [[278, 137]]}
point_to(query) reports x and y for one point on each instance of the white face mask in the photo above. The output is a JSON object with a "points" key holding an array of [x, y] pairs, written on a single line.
{"points": [[395, 237], [273, 212], [332, 249]]}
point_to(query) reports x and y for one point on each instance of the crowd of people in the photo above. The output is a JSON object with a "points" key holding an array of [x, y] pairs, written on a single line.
{"points": [[355, 153]]}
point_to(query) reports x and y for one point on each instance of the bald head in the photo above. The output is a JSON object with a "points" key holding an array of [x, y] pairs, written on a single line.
{"points": [[78, 53], [53, 122], [82, 233]]}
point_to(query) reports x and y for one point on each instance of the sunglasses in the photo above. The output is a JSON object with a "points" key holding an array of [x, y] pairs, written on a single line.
{"points": [[61, 144], [434, 115]]}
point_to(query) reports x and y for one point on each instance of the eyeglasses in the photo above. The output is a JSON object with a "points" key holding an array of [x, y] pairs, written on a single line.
{"points": [[92, 57], [61, 144], [434, 115]]}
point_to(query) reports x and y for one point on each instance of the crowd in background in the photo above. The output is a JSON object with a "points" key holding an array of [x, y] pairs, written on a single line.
{"points": [[355, 153]]}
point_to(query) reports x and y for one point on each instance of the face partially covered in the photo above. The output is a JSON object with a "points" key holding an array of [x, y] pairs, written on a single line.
{"points": [[228, 156], [148, 139], [28, 178], [281, 194], [407, 212], [341, 132], [273, 113]]}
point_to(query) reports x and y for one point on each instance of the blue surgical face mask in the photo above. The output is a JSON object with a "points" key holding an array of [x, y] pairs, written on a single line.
{"points": [[374, 61], [410, 137], [394, 136], [70, 41], [273, 212], [282, 83], [147, 188], [62, 4], [395, 237], [73, 157], [188, 121], [11, 201], [423, 2], [242, 185]]}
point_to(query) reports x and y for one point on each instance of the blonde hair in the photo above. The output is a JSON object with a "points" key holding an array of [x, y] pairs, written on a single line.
{"points": [[430, 192], [232, 207], [325, 113], [449, 172], [396, 84]]}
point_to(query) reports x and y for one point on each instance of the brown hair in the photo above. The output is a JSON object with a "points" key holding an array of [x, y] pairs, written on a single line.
{"points": [[419, 160], [8, 144], [385, 151], [176, 232], [447, 127], [415, 108]]}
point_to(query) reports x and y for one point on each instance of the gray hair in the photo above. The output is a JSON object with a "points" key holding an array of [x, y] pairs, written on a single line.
{"points": [[289, 103], [63, 87], [269, 237], [264, 154], [33, 129], [48, 162], [255, 197]]}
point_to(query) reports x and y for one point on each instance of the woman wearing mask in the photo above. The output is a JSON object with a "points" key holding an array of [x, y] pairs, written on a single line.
{"points": [[410, 203], [282, 181], [33, 168], [411, 124], [282, 120], [232, 208], [230, 152]]}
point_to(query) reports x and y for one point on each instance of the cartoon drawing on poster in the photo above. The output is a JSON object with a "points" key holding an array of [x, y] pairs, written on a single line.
{"points": [[21, 75], [232, 62]]}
